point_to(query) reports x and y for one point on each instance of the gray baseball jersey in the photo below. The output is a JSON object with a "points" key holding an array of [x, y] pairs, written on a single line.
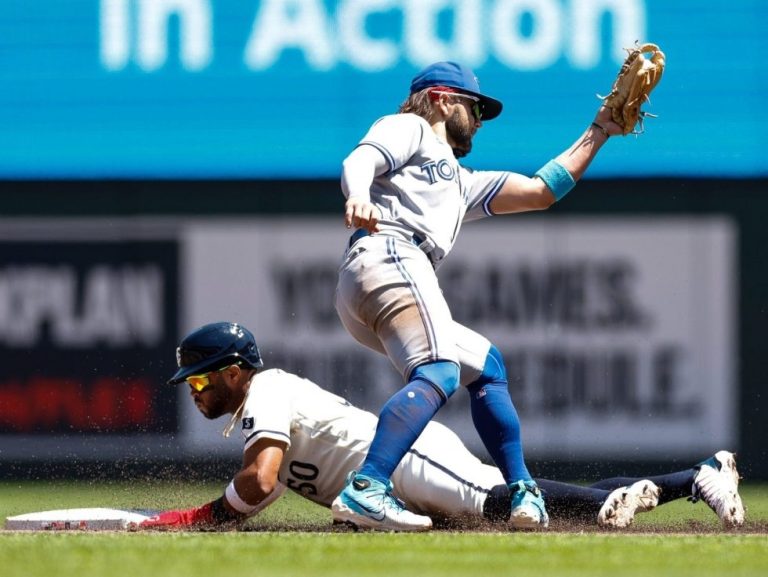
{"points": [[327, 437], [388, 296], [425, 190]]}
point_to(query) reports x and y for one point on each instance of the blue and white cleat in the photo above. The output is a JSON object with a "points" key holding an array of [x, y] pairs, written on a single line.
{"points": [[369, 504], [717, 483], [618, 510], [528, 510]]}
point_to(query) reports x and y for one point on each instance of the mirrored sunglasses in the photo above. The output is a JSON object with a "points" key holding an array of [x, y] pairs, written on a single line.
{"points": [[202, 382]]}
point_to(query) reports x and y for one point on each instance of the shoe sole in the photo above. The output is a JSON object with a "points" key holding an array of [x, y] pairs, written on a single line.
{"points": [[527, 518], [736, 511], [732, 511], [619, 509], [728, 465], [647, 495]]}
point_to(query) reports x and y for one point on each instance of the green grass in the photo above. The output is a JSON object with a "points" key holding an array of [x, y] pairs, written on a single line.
{"points": [[318, 551]]}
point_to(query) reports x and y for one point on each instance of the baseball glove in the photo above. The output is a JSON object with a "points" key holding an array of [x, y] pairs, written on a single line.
{"points": [[637, 77]]}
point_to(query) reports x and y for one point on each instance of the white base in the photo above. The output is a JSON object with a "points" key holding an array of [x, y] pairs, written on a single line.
{"points": [[85, 519]]}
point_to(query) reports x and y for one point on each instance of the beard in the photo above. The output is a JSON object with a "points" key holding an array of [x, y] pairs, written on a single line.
{"points": [[460, 133], [217, 403]]}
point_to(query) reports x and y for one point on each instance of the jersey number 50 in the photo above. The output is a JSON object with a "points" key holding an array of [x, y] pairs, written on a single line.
{"points": [[305, 472]]}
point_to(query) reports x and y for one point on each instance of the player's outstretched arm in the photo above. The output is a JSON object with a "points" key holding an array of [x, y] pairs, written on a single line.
{"points": [[552, 182], [580, 154], [253, 488]]}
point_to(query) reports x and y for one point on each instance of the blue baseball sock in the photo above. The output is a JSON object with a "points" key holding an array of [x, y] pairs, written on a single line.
{"points": [[496, 419], [405, 415], [572, 501]]}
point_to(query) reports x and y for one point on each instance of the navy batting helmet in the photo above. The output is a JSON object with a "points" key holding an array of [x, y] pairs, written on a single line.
{"points": [[213, 347]]}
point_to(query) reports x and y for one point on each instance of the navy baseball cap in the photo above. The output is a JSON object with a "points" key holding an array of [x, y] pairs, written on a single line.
{"points": [[456, 76]]}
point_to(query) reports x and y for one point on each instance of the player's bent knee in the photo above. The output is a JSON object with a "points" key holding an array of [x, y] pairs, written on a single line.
{"points": [[442, 375], [493, 370]]}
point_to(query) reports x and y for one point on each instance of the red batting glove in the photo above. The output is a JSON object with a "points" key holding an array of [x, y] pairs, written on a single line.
{"points": [[179, 519]]}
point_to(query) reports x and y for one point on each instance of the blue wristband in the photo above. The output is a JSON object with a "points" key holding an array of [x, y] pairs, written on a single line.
{"points": [[557, 178]]}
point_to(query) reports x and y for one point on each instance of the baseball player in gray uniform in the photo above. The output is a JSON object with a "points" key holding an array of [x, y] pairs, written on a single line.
{"points": [[407, 197], [298, 436]]}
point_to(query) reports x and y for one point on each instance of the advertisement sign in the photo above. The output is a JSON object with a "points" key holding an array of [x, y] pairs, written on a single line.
{"points": [[618, 334], [84, 325], [286, 88]]}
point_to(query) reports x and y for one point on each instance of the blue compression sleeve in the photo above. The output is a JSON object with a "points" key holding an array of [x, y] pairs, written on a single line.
{"points": [[406, 414]]}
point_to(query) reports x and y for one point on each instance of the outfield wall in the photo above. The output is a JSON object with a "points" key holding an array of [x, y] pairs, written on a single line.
{"points": [[630, 316]]}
